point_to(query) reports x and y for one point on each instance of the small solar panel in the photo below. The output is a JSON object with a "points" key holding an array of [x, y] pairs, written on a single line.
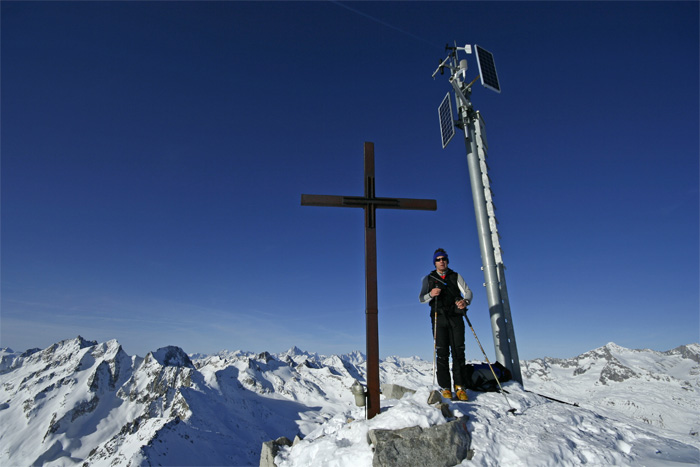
{"points": [[447, 124], [487, 69]]}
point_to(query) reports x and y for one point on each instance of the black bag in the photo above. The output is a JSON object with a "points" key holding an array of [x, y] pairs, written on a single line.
{"points": [[478, 376]]}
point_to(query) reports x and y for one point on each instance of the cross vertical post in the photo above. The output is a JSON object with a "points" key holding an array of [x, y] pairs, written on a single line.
{"points": [[370, 203], [371, 296]]}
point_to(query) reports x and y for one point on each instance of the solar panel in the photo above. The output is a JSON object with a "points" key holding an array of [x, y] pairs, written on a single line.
{"points": [[487, 69], [447, 124]]}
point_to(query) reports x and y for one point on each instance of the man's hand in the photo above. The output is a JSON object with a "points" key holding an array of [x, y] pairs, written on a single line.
{"points": [[461, 304], [435, 292]]}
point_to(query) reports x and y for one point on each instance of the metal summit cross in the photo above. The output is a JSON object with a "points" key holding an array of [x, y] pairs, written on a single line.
{"points": [[370, 203]]}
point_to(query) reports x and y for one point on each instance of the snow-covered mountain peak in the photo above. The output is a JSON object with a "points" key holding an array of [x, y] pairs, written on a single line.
{"points": [[172, 356], [78, 401], [293, 351], [296, 354], [689, 351], [71, 345], [612, 377], [355, 357]]}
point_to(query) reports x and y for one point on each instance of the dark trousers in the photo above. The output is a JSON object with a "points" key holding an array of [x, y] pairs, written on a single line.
{"points": [[449, 336]]}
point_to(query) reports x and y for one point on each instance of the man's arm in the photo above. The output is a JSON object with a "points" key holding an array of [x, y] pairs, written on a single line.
{"points": [[424, 296], [464, 288]]}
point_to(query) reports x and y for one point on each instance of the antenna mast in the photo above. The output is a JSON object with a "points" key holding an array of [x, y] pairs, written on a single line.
{"points": [[472, 123]]}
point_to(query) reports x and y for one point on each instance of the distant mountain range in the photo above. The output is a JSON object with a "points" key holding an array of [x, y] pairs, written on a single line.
{"points": [[80, 401], [658, 388]]}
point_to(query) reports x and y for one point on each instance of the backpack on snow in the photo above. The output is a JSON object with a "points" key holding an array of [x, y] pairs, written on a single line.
{"points": [[478, 376]]}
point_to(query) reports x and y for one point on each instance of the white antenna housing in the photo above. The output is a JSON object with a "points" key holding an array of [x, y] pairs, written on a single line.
{"points": [[463, 68]]}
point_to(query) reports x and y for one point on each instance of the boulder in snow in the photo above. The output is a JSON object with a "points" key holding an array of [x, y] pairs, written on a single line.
{"points": [[438, 446], [270, 449], [394, 391]]}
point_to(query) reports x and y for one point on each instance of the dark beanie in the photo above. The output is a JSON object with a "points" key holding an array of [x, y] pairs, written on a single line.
{"points": [[439, 252]]}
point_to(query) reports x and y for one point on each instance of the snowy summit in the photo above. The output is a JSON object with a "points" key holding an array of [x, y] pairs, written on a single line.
{"points": [[79, 402]]}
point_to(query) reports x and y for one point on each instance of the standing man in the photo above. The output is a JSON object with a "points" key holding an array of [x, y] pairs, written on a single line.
{"points": [[448, 296]]}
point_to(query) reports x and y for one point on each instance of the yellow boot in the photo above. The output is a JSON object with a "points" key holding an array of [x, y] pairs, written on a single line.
{"points": [[446, 393], [461, 393]]}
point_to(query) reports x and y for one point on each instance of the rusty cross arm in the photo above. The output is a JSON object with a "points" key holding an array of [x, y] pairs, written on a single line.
{"points": [[360, 202]]}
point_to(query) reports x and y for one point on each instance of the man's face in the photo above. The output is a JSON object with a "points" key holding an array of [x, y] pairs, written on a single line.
{"points": [[441, 263]]}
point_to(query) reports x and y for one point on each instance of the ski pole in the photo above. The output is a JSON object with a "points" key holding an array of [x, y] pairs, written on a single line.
{"points": [[434, 330], [512, 410], [434, 341], [434, 327], [438, 280], [434, 335]]}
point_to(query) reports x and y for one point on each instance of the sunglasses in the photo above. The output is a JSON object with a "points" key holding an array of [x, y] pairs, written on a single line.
{"points": [[442, 258]]}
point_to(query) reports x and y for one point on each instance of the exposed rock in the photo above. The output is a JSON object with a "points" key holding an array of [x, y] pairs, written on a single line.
{"points": [[101, 378], [394, 391], [615, 371], [172, 356], [264, 356], [445, 410], [434, 397], [691, 352], [270, 449], [29, 352], [438, 446]]}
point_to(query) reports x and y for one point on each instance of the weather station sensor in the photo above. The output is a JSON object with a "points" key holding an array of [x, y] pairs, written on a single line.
{"points": [[462, 89]]}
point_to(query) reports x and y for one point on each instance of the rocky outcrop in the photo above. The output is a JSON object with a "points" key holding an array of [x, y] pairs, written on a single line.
{"points": [[172, 356], [270, 449], [438, 446], [395, 391]]}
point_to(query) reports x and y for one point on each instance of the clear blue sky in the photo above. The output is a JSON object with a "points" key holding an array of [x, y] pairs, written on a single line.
{"points": [[154, 154]]}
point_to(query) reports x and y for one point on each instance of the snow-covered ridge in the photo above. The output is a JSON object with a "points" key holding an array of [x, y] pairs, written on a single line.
{"points": [[81, 401], [614, 363], [93, 403], [658, 388]]}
